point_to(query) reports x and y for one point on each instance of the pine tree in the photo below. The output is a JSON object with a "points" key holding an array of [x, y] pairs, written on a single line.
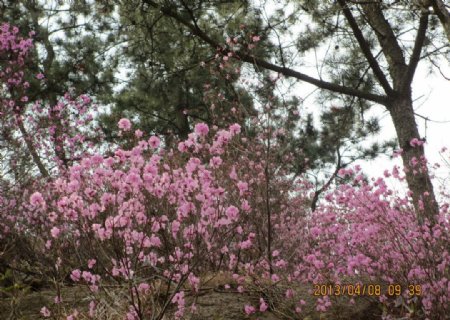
{"points": [[376, 67]]}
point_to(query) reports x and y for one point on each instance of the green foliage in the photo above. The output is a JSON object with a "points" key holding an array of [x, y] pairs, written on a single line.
{"points": [[73, 48], [164, 88]]}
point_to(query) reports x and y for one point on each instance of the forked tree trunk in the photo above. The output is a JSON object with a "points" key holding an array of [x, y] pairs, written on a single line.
{"points": [[400, 105]]}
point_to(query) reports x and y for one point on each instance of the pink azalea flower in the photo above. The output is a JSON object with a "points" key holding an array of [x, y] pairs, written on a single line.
{"points": [[215, 162], [45, 312], [262, 305], [138, 133], [256, 38], [75, 275], [201, 129], [154, 142], [55, 231], [124, 124], [36, 199], [235, 129], [232, 213], [243, 187], [91, 263], [249, 309]]}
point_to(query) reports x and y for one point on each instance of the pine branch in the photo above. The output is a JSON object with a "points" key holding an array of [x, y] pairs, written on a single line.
{"points": [[195, 29]]}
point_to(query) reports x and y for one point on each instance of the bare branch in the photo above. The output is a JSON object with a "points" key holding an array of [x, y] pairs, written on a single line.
{"points": [[418, 45], [31, 149], [388, 41], [318, 192], [365, 48]]}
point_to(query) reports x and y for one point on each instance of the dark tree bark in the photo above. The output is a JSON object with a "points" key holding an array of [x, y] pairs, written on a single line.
{"points": [[400, 105], [419, 182], [443, 14]]}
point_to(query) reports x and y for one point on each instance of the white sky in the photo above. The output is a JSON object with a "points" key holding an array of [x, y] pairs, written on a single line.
{"points": [[433, 101]]}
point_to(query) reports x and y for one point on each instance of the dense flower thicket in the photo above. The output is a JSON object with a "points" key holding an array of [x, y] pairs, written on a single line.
{"points": [[366, 233], [144, 217], [153, 220]]}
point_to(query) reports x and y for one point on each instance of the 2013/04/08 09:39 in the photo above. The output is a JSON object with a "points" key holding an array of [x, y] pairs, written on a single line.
{"points": [[365, 290]]}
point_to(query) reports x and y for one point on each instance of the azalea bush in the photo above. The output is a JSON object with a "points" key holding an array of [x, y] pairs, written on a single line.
{"points": [[364, 233], [145, 217]]}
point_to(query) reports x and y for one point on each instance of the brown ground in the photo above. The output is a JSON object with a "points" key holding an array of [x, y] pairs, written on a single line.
{"points": [[213, 304]]}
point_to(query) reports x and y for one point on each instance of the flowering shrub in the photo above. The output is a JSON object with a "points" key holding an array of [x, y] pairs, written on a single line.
{"points": [[368, 234], [149, 218]]}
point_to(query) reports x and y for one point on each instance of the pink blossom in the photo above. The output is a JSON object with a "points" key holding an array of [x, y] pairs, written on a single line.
{"points": [[235, 129], [75, 275], [243, 187], [45, 312], [289, 293], [233, 174], [91, 263], [416, 142], [175, 228], [36, 199], [262, 305], [40, 76], [154, 142], [232, 213], [87, 276], [215, 162], [182, 147], [249, 309], [92, 307], [124, 124], [246, 244], [138, 133], [153, 241], [131, 315], [55, 231], [134, 179], [201, 129]]}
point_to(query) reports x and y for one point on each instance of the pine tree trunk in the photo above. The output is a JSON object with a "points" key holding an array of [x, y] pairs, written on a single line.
{"points": [[419, 182], [443, 14]]}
